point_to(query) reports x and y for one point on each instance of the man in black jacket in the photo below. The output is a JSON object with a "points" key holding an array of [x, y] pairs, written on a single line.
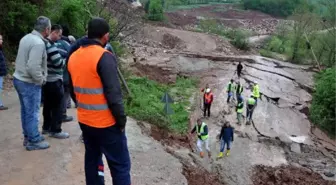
{"points": [[101, 112], [239, 69]]}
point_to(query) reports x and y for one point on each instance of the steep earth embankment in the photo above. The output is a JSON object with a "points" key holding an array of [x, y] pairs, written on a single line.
{"points": [[281, 132]]}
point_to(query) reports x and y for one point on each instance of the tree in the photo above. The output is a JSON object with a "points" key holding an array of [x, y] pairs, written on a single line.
{"points": [[322, 110], [155, 10]]}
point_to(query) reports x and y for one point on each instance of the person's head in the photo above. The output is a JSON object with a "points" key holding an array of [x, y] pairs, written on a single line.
{"points": [[98, 29], [239, 62], [238, 82], [207, 90], [56, 32], [199, 121], [251, 96], [226, 124], [43, 26], [1, 40], [231, 80], [255, 83], [72, 39]]}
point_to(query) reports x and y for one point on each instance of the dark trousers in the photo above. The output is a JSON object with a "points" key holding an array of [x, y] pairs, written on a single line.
{"points": [[249, 113], [53, 106], [238, 73], [229, 97], [113, 144], [66, 99], [207, 107]]}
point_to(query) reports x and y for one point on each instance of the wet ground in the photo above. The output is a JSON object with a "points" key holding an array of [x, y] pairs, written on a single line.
{"points": [[63, 162]]}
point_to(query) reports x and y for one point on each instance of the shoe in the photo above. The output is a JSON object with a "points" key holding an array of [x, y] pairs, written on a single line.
{"points": [[248, 123], [67, 118], [37, 146], [25, 140], [60, 135], [209, 154], [227, 152], [220, 155], [45, 132], [3, 107], [201, 154]]}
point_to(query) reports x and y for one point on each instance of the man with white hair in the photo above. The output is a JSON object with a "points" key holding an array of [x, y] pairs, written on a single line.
{"points": [[29, 76]]}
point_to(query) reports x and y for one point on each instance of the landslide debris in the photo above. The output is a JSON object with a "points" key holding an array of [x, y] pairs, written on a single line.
{"points": [[289, 175]]}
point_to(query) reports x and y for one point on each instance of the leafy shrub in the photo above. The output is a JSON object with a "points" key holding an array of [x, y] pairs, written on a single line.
{"points": [[239, 39], [155, 10], [277, 8], [322, 110]]}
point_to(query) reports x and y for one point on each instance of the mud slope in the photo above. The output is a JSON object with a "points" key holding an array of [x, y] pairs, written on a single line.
{"points": [[63, 162]]}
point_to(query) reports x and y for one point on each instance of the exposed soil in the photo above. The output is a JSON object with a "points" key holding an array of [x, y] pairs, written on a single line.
{"points": [[171, 41], [289, 175], [229, 15], [197, 176]]}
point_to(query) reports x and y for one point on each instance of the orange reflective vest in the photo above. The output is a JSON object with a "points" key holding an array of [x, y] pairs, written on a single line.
{"points": [[208, 97], [92, 107]]}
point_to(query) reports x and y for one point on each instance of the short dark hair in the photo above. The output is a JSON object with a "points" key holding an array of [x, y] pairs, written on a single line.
{"points": [[56, 27], [97, 28]]}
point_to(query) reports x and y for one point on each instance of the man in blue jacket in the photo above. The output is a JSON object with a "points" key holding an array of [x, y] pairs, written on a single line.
{"points": [[225, 137]]}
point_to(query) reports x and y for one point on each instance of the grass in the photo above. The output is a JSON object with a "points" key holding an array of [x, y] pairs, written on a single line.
{"points": [[146, 105]]}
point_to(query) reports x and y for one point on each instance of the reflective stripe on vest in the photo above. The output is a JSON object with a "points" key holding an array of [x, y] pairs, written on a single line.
{"points": [[230, 87], [207, 97], [240, 110], [92, 108], [256, 91], [251, 101], [240, 89], [202, 131]]}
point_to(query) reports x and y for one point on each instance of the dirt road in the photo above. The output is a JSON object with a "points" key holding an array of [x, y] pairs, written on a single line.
{"points": [[63, 162]]}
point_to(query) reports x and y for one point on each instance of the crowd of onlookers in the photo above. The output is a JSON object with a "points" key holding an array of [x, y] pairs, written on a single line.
{"points": [[41, 78]]}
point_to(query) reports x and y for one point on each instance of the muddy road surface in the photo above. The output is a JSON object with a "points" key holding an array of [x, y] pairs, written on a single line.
{"points": [[63, 162]]}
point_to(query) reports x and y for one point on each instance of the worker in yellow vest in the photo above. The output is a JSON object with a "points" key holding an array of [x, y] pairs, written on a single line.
{"points": [[202, 131], [255, 91], [251, 102], [239, 110]]}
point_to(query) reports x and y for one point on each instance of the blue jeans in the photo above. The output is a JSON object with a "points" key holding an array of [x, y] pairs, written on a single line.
{"points": [[223, 143], [1, 87], [30, 99]]}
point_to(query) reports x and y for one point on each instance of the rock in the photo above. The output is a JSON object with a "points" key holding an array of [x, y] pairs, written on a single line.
{"points": [[295, 147], [284, 139], [329, 174]]}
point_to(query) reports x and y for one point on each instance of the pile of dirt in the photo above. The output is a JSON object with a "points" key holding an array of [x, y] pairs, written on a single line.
{"points": [[181, 19], [170, 139], [196, 175], [171, 41], [262, 26], [289, 175]]}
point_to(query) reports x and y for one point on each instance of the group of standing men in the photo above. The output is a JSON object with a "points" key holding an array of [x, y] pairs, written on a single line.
{"points": [[226, 135], [88, 72]]}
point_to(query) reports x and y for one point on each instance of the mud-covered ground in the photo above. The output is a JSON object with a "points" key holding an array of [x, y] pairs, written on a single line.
{"points": [[264, 175]]}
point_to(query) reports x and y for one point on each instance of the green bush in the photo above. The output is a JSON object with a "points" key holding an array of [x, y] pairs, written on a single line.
{"points": [[155, 10], [239, 39], [277, 8], [146, 104], [322, 110]]}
